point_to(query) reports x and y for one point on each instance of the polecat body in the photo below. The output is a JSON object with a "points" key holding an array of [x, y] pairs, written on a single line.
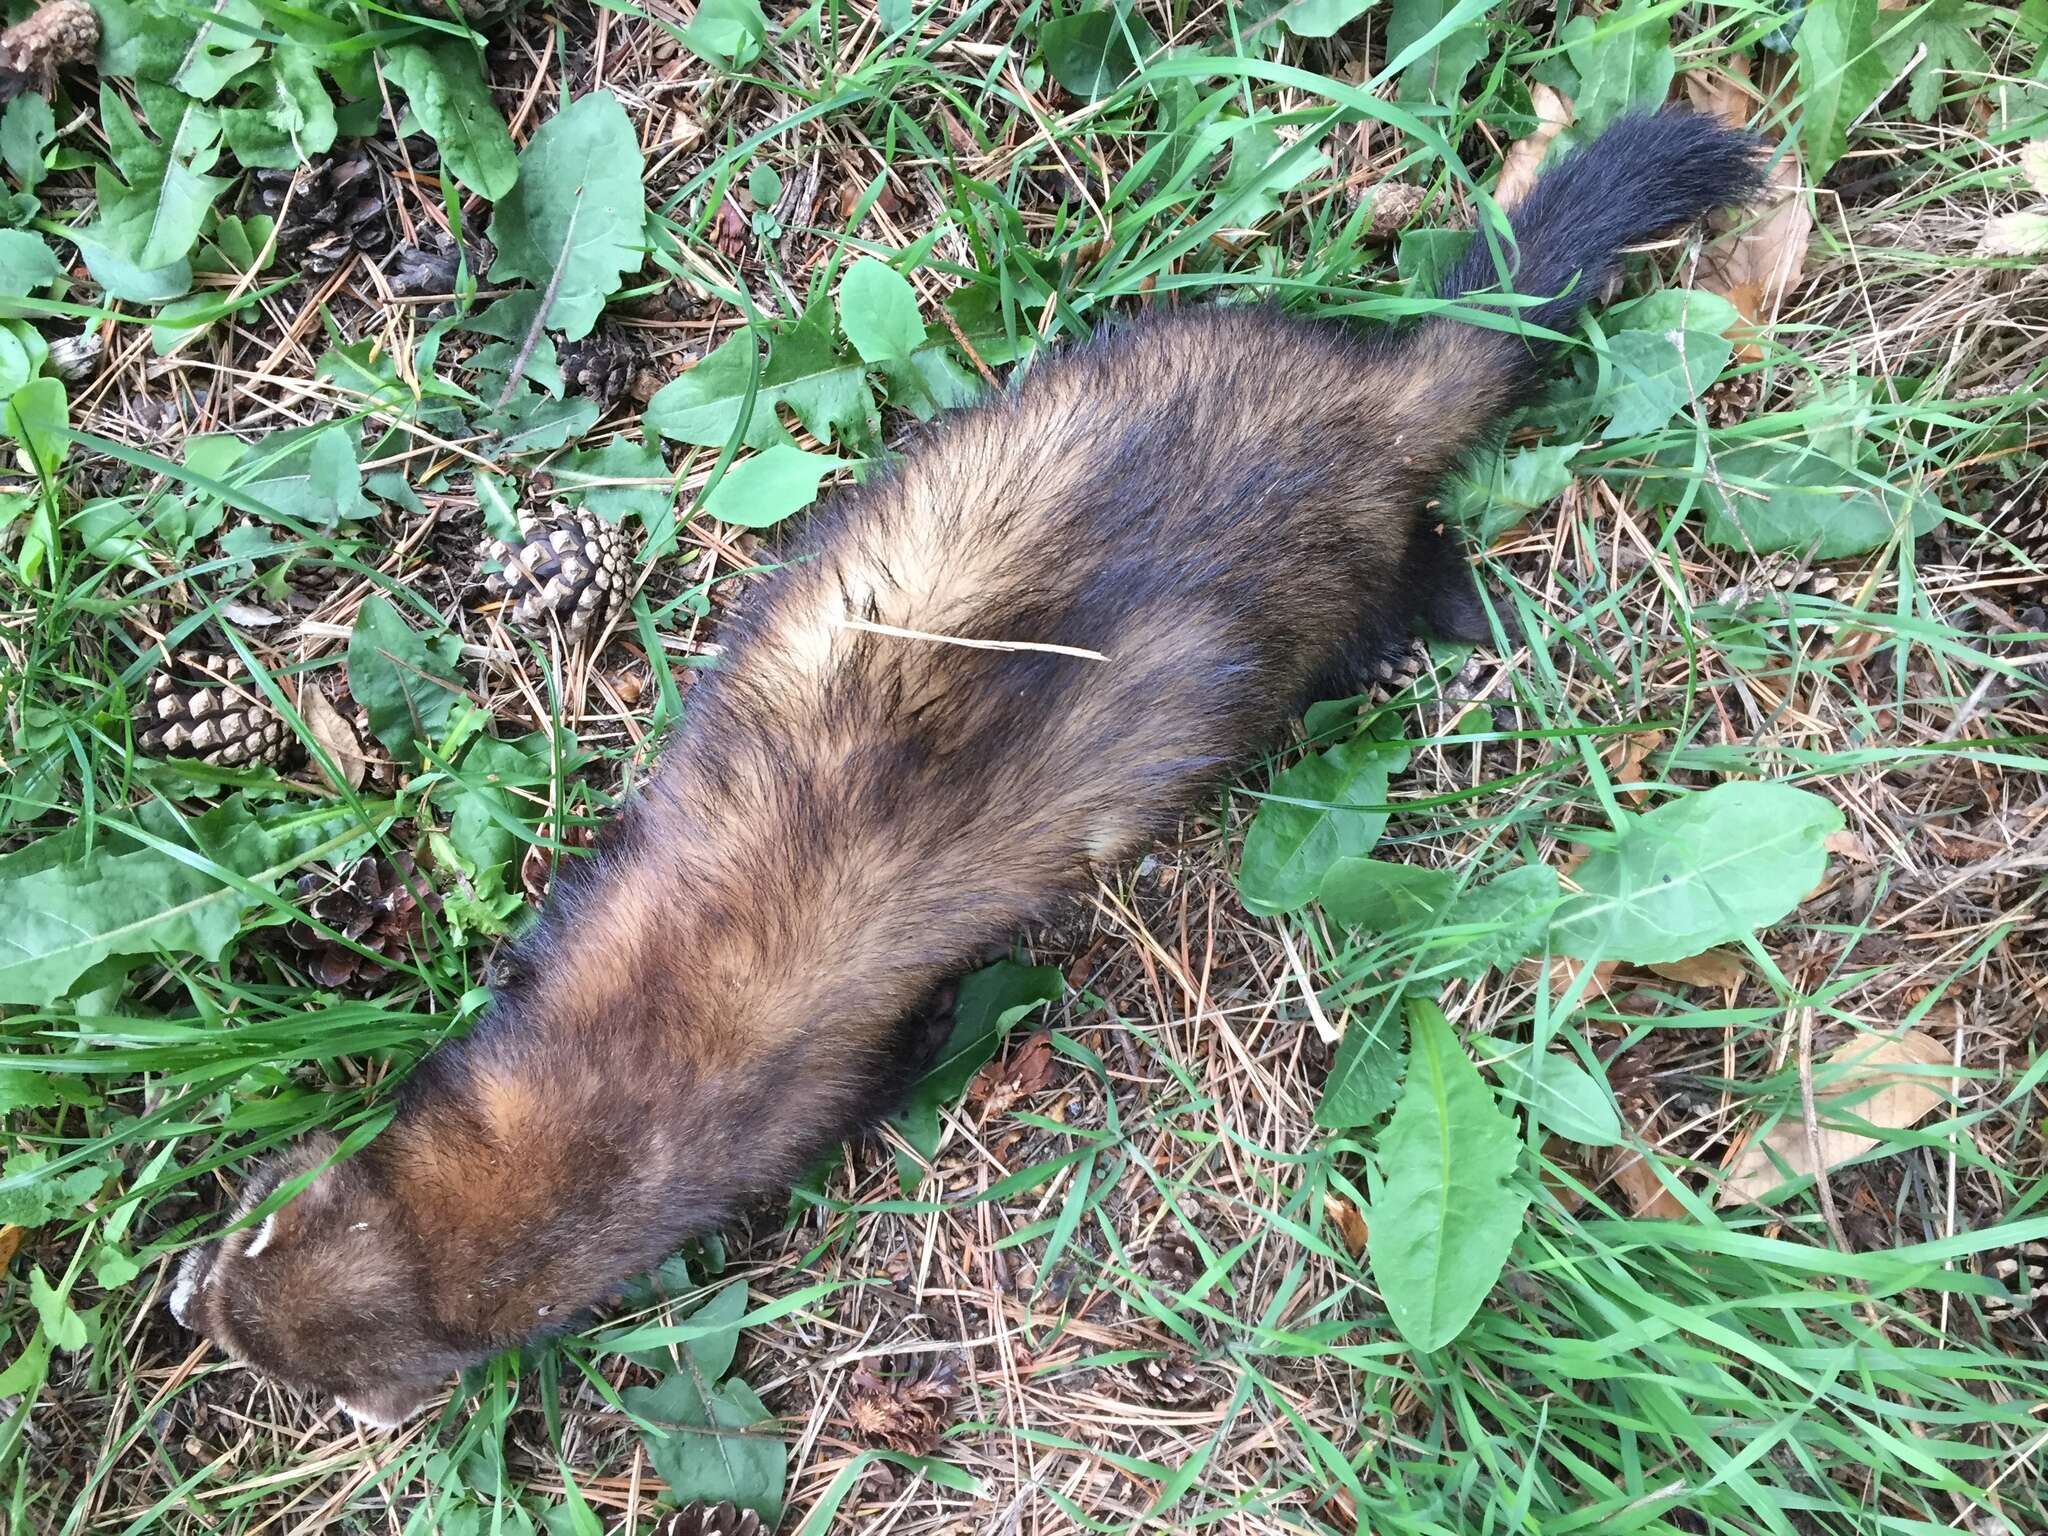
{"points": [[1222, 504]]}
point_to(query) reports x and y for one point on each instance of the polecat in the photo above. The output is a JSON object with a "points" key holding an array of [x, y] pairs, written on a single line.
{"points": [[1223, 505]]}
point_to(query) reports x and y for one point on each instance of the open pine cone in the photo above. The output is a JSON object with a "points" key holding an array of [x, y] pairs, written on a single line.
{"points": [[602, 366], [211, 718], [904, 1403], [573, 567], [373, 903], [1171, 1381], [337, 211], [2023, 520], [710, 1520]]}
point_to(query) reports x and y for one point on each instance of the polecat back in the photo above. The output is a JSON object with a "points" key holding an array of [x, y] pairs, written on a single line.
{"points": [[1019, 655]]}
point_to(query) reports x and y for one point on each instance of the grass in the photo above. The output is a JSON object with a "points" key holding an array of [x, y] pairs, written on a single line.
{"points": [[1135, 1288]]}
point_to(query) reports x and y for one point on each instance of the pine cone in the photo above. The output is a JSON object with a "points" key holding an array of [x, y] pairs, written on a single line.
{"points": [[1734, 398], [904, 1403], [1783, 578], [2023, 1271], [427, 267], [337, 211], [74, 359], [485, 14], [43, 42], [1391, 674], [227, 724], [1169, 1381], [2022, 520], [711, 1520], [602, 365], [1174, 1260], [572, 566], [372, 903]]}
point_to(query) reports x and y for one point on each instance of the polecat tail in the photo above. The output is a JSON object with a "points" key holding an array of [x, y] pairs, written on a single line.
{"points": [[1647, 173]]}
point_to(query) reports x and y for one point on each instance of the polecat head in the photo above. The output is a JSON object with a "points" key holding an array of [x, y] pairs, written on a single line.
{"points": [[328, 1293]]}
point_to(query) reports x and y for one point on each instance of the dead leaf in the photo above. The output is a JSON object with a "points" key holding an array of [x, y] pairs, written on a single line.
{"points": [[1853, 1080], [1525, 156], [336, 735], [1625, 758], [2034, 165], [1725, 93], [1564, 971], [1350, 1225], [1019, 1075], [1757, 263], [1849, 846], [1716, 968], [1647, 1196], [10, 1243]]}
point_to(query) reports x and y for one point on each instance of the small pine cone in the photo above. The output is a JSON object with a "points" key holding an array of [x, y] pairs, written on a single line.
{"points": [[1169, 1381], [227, 724], [337, 211], [1174, 1260], [904, 1403], [710, 1520], [74, 359], [574, 566], [1393, 205], [1734, 398], [61, 33], [602, 366], [1780, 579], [426, 267], [372, 903], [2022, 521], [2023, 1271], [1391, 674]]}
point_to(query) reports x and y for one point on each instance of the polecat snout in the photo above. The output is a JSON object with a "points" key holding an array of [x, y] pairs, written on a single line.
{"points": [[1224, 504]]}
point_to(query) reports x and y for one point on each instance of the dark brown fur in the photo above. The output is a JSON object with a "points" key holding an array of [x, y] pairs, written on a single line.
{"points": [[1224, 503]]}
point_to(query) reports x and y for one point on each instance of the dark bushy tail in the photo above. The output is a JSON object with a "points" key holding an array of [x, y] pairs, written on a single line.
{"points": [[1647, 173]]}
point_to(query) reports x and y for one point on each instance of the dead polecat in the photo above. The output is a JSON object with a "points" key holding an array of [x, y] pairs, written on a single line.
{"points": [[1188, 523]]}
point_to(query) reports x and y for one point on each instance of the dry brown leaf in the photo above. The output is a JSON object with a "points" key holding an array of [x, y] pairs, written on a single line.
{"points": [[336, 734], [1715, 968], [1646, 1193], [1625, 758], [1854, 1077], [10, 1243], [1725, 93], [1848, 845], [1757, 264], [1525, 156], [1564, 971], [1349, 1224]]}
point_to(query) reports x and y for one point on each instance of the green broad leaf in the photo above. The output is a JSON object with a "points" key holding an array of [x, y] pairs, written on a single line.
{"points": [[1264, 168], [1767, 497], [37, 416], [26, 262], [533, 423], [1320, 18], [1707, 869], [1504, 489], [27, 128], [1378, 896], [1091, 53], [1494, 925], [1439, 73], [16, 368], [713, 1444], [445, 87], [287, 119], [67, 904], [1365, 1078], [121, 278], [154, 200], [1291, 846], [486, 811], [1560, 1095], [1841, 73], [62, 1325], [804, 373], [727, 32], [764, 185], [1940, 47], [878, 311], [404, 680], [578, 205], [1623, 59], [760, 491], [218, 53], [1655, 375], [589, 478], [990, 1003], [1444, 1205], [31, 1197], [312, 477]]}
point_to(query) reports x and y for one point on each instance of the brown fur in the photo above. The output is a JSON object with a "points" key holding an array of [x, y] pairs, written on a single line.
{"points": [[1224, 503]]}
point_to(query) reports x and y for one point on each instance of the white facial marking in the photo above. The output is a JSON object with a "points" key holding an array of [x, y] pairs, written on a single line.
{"points": [[262, 1238]]}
